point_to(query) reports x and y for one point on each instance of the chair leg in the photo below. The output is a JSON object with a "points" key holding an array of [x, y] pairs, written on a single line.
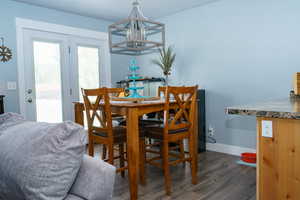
{"points": [[104, 152], [166, 167], [142, 161], [161, 149], [111, 154], [122, 159], [181, 149], [91, 146], [193, 154]]}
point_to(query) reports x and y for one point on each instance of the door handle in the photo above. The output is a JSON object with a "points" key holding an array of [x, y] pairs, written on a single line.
{"points": [[29, 100], [29, 91]]}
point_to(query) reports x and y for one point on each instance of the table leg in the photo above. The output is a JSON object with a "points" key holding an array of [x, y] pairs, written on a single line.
{"points": [[133, 151], [194, 153]]}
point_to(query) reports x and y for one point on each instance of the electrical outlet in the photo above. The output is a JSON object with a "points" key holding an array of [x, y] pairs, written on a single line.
{"points": [[11, 85], [267, 128], [211, 131]]}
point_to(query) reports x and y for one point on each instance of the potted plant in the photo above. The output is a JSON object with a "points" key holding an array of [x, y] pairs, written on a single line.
{"points": [[165, 61]]}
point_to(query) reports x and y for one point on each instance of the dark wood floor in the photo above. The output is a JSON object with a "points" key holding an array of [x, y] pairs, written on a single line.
{"points": [[220, 178]]}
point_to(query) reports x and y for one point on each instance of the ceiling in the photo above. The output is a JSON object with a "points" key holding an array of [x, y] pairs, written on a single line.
{"points": [[116, 9]]}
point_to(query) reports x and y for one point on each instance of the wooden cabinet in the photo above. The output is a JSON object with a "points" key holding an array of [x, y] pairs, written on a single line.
{"points": [[1, 104], [297, 83], [278, 174], [278, 147]]}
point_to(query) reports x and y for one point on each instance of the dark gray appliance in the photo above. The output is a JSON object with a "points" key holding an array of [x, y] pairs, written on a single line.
{"points": [[201, 121], [1, 104]]}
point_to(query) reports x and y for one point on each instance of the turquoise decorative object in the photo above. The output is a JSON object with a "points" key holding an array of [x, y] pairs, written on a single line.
{"points": [[240, 162], [133, 68]]}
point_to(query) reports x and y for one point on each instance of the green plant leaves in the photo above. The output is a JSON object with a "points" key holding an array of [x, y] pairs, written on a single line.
{"points": [[165, 60]]}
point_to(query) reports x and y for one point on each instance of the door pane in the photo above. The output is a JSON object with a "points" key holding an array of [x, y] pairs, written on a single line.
{"points": [[88, 66], [48, 81]]}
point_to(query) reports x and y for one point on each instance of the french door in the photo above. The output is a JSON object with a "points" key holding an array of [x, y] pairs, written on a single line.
{"points": [[56, 67]]}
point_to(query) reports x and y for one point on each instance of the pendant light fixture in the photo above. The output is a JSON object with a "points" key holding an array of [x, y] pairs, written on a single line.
{"points": [[136, 35]]}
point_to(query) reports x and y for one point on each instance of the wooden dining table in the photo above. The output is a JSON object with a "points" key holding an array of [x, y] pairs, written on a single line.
{"points": [[133, 111]]}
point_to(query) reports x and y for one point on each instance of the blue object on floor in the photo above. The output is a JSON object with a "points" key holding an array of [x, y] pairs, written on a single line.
{"points": [[240, 162]]}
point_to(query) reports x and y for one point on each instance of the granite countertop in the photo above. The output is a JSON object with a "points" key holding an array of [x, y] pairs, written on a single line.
{"points": [[284, 108]]}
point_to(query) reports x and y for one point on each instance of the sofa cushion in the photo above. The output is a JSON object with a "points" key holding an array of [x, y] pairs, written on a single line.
{"points": [[38, 160], [9, 119], [95, 180]]}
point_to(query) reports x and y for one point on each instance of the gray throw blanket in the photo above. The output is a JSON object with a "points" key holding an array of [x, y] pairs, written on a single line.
{"points": [[38, 161]]}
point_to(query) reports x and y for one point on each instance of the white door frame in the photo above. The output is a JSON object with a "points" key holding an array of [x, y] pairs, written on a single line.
{"points": [[23, 24]]}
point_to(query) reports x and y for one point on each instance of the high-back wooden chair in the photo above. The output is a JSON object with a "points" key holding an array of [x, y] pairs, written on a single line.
{"points": [[115, 92], [100, 125], [178, 125], [161, 91], [155, 116]]}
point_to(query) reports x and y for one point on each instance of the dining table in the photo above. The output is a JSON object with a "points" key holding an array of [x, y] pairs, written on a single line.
{"points": [[133, 111]]}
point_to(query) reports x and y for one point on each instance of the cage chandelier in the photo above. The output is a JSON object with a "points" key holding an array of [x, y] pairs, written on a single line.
{"points": [[136, 35]]}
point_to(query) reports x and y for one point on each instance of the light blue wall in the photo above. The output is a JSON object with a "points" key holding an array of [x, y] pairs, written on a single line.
{"points": [[10, 10], [120, 67], [240, 52]]}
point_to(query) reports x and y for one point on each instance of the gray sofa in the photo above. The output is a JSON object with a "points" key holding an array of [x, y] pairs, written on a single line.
{"points": [[42, 161], [94, 181]]}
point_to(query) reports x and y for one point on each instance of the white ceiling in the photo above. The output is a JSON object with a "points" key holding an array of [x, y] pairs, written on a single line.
{"points": [[116, 9]]}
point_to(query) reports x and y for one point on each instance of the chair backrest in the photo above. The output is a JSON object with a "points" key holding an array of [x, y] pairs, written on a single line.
{"points": [[98, 109], [182, 102]]}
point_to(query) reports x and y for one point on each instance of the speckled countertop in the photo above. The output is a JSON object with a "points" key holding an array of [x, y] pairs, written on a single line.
{"points": [[284, 108]]}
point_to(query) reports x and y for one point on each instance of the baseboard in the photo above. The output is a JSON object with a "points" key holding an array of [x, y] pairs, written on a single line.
{"points": [[228, 149]]}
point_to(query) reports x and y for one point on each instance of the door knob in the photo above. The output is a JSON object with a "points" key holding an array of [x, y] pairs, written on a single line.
{"points": [[29, 100], [29, 91]]}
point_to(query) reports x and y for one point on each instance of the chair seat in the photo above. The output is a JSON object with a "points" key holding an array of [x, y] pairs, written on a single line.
{"points": [[144, 122], [119, 133], [156, 131], [150, 122]]}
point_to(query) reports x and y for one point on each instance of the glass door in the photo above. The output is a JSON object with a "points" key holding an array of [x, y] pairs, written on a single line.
{"points": [[48, 87], [87, 58], [88, 67], [46, 76], [57, 66]]}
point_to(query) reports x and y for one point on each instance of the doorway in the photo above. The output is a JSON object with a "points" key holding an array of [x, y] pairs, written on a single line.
{"points": [[56, 65]]}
